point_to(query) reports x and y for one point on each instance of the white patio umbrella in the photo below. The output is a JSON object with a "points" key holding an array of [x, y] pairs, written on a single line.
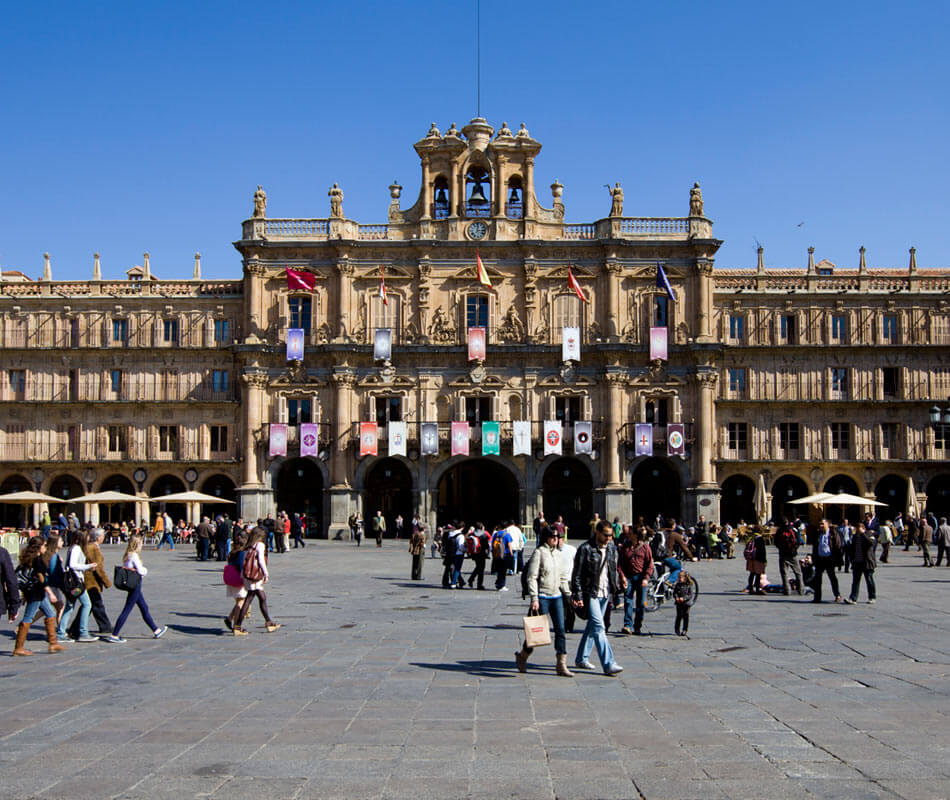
{"points": [[845, 499], [110, 498], [190, 497], [29, 498], [912, 503], [761, 512], [818, 499]]}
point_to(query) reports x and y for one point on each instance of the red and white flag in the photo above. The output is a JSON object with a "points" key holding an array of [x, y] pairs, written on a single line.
{"points": [[552, 437], [369, 438], [300, 281], [460, 437], [278, 440], [483, 278], [382, 286], [575, 286]]}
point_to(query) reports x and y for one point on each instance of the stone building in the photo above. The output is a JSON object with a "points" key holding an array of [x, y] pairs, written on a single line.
{"points": [[785, 382]]}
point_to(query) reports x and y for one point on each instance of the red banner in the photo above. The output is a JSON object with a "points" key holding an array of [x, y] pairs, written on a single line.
{"points": [[300, 281], [460, 438], [476, 344], [368, 439]]}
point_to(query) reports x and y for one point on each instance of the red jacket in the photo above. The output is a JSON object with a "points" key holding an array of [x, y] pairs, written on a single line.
{"points": [[635, 559]]}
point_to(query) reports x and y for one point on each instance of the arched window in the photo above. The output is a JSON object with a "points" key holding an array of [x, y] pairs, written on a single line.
{"points": [[478, 185], [514, 203], [386, 315], [441, 204]]}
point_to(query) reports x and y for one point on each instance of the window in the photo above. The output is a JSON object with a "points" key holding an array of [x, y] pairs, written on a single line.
{"points": [[476, 311], [890, 378], [17, 379], [120, 331], [839, 383], [74, 333], [73, 384], [170, 331], [219, 438], [788, 436], [738, 435], [889, 328], [299, 409], [115, 379], [789, 326], [222, 331], [942, 437], [568, 409], [661, 311], [839, 329], [889, 438], [388, 409], [840, 436], [440, 204], [386, 315], [300, 308], [117, 439], [736, 328], [168, 438], [737, 379], [477, 410], [220, 379], [567, 311], [656, 412]]}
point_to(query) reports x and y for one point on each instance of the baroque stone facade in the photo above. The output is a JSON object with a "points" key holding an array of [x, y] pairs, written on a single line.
{"points": [[787, 382]]}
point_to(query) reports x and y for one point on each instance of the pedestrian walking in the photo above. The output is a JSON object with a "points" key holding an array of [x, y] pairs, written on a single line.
{"points": [[75, 560], [885, 537], [379, 528], [547, 583], [97, 580], [255, 575], [296, 530], [595, 583], [399, 526], [477, 544], [826, 555], [787, 545], [235, 590], [756, 559], [635, 561], [925, 533], [9, 587], [862, 564], [683, 598], [417, 549], [33, 565], [203, 533], [942, 539], [132, 560]]}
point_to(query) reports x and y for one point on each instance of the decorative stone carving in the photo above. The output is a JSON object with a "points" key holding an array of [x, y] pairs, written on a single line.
{"points": [[478, 373], [359, 332], [568, 372], [511, 328], [557, 190], [260, 203], [433, 132], [657, 370], [523, 132], [343, 379], [255, 380], [441, 330], [696, 201], [395, 192], [540, 334], [411, 335], [323, 334], [616, 196], [296, 372], [629, 333], [682, 333], [344, 267], [387, 372], [504, 132], [595, 333], [336, 201]]}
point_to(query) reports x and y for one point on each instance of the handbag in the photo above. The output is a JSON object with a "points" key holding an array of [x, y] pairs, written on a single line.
{"points": [[73, 584], [537, 630], [232, 576], [128, 580]]}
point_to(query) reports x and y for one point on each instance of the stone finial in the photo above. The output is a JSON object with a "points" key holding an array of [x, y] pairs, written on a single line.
{"points": [[557, 191], [862, 262], [696, 201], [913, 261], [260, 203], [395, 190], [146, 271], [760, 266], [196, 275], [47, 271], [96, 269], [811, 260]]}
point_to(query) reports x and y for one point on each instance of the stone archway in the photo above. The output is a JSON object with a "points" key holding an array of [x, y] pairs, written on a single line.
{"points": [[298, 489], [167, 484], [838, 484], [219, 486], [785, 489], [938, 496], [892, 490], [12, 515], [477, 490], [388, 488], [116, 512], [567, 489], [657, 489], [68, 488], [737, 503]]}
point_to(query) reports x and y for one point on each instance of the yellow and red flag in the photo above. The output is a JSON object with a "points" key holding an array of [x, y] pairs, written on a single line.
{"points": [[483, 278]]}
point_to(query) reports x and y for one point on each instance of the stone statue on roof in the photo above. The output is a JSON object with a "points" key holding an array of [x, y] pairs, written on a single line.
{"points": [[433, 132], [616, 206], [336, 201], [505, 132], [696, 201], [260, 203]]}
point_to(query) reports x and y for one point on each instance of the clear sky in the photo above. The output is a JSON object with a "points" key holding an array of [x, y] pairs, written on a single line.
{"points": [[129, 127]]}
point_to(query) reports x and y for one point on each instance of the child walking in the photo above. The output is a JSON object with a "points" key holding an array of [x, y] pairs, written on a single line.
{"points": [[131, 560], [683, 596]]}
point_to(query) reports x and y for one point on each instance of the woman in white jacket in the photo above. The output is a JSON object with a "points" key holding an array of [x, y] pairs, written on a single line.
{"points": [[75, 560], [133, 561]]}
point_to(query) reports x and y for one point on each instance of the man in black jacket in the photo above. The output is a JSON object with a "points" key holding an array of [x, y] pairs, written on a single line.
{"points": [[787, 546], [862, 563], [826, 555], [595, 583], [9, 587]]}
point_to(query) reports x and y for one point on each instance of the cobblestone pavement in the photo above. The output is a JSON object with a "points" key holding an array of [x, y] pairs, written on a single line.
{"points": [[377, 687]]}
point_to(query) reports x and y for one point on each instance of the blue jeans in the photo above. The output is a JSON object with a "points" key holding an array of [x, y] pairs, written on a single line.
{"points": [[135, 598], [457, 563], [634, 600], [554, 607], [595, 634], [673, 568], [270, 541], [85, 606], [167, 537], [38, 605], [204, 549]]}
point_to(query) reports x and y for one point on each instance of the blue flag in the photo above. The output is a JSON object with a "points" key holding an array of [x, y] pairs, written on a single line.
{"points": [[662, 282]]}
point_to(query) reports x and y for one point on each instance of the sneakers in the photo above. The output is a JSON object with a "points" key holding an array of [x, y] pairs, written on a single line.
{"points": [[160, 632], [240, 632], [503, 589], [272, 626], [613, 669], [849, 601], [872, 601], [88, 638], [113, 639], [583, 665]]}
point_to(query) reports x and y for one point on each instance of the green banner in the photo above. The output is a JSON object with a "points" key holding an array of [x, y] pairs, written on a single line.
{"points": [[490, 439]]}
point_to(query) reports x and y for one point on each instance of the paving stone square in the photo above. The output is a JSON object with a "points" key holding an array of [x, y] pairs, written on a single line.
{"points": [[380, 687]]}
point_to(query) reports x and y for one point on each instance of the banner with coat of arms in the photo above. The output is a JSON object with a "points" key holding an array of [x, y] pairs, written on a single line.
{"points": [[644, 439], [552, 437], [582, 437], [521, 437], [491, 436], [369, 439], [278, 439], [476, 344], [397, 438], [570, 344], [383, 344], [658, 344], [460, 437], [430, 438], [675, 440], [309, 441]]}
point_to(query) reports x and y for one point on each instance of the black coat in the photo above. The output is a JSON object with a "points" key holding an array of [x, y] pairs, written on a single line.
{"points": [[587, 571], [10, 594], [863, 546]]}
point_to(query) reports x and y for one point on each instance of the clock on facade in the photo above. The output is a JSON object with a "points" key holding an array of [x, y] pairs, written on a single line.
{"points": [[477, 230]]}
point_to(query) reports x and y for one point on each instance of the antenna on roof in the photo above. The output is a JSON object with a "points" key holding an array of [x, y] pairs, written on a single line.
{"points": [[478, 59]]}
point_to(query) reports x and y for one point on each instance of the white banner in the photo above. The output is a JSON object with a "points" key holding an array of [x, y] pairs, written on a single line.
{"points": [[552, 437], [522, 437], [397, 438], [582, 437], [570, 344], [383, 344]]}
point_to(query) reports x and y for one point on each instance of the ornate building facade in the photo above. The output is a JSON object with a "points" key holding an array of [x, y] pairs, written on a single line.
{"points": [[786, 382]]}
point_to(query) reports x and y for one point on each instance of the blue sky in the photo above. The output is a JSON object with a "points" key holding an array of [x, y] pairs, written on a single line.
{"points": [[130, 127]]}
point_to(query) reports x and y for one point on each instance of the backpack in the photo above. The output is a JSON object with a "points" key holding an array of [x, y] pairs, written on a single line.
{"points": [[657, 547], [749, 553], [253, 571], [73, 584], [26, 579], [786, 541], [473, 545], [497, 548]]}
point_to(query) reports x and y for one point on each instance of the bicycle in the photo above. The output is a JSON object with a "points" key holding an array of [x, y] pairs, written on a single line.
{"points": [[660, 590]]}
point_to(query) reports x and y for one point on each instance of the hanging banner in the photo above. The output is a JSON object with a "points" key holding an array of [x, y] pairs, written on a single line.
{"points": [[278, 439], [430, 439], [552, 437], [582, 437], [570, 344], [675, 440], [295, 344], [368, 439], [476, 344], [460, 438], [309, 441], [491, 439], [644, 437], [397, 438], [658, 339], [383, 344], [521, 437]]}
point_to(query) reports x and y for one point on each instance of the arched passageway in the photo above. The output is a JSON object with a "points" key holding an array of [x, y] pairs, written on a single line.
{"points": [[298, 489], [388, 489], [785, 489], [838, 484], [167, 484], [219, 486], [892, 490], [68, 488], [117, 512], [477, 490], [657, 489], [567, 490], [938, 496], [737, 503], [12, 515]]}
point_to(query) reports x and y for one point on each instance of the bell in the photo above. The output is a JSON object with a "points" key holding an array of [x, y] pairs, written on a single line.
{"points": [[513, 198], [477, 197], [440, 197]]}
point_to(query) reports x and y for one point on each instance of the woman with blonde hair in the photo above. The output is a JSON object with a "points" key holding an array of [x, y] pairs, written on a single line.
{"points": [[31, 559], [133, 561], [255, 576]]}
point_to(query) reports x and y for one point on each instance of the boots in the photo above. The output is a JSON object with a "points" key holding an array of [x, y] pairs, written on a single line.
{"points": [[521, 658], [19, 648], [562, 669], [54, 646]]}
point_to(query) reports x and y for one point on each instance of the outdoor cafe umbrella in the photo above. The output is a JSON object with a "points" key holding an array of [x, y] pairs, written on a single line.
{"points": [[110, 498], [190, 497], [28, 498], [845, 499], [818, 499], [912, 502], [761, 512]]}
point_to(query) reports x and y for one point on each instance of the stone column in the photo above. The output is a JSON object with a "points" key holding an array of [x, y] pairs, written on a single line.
{"points": [[528, 195], [254, 278], [703, 494], [253, 407], [344, 271], [704, 301], [426, 188], [340, 491], [614, 272], [616, 497]]}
